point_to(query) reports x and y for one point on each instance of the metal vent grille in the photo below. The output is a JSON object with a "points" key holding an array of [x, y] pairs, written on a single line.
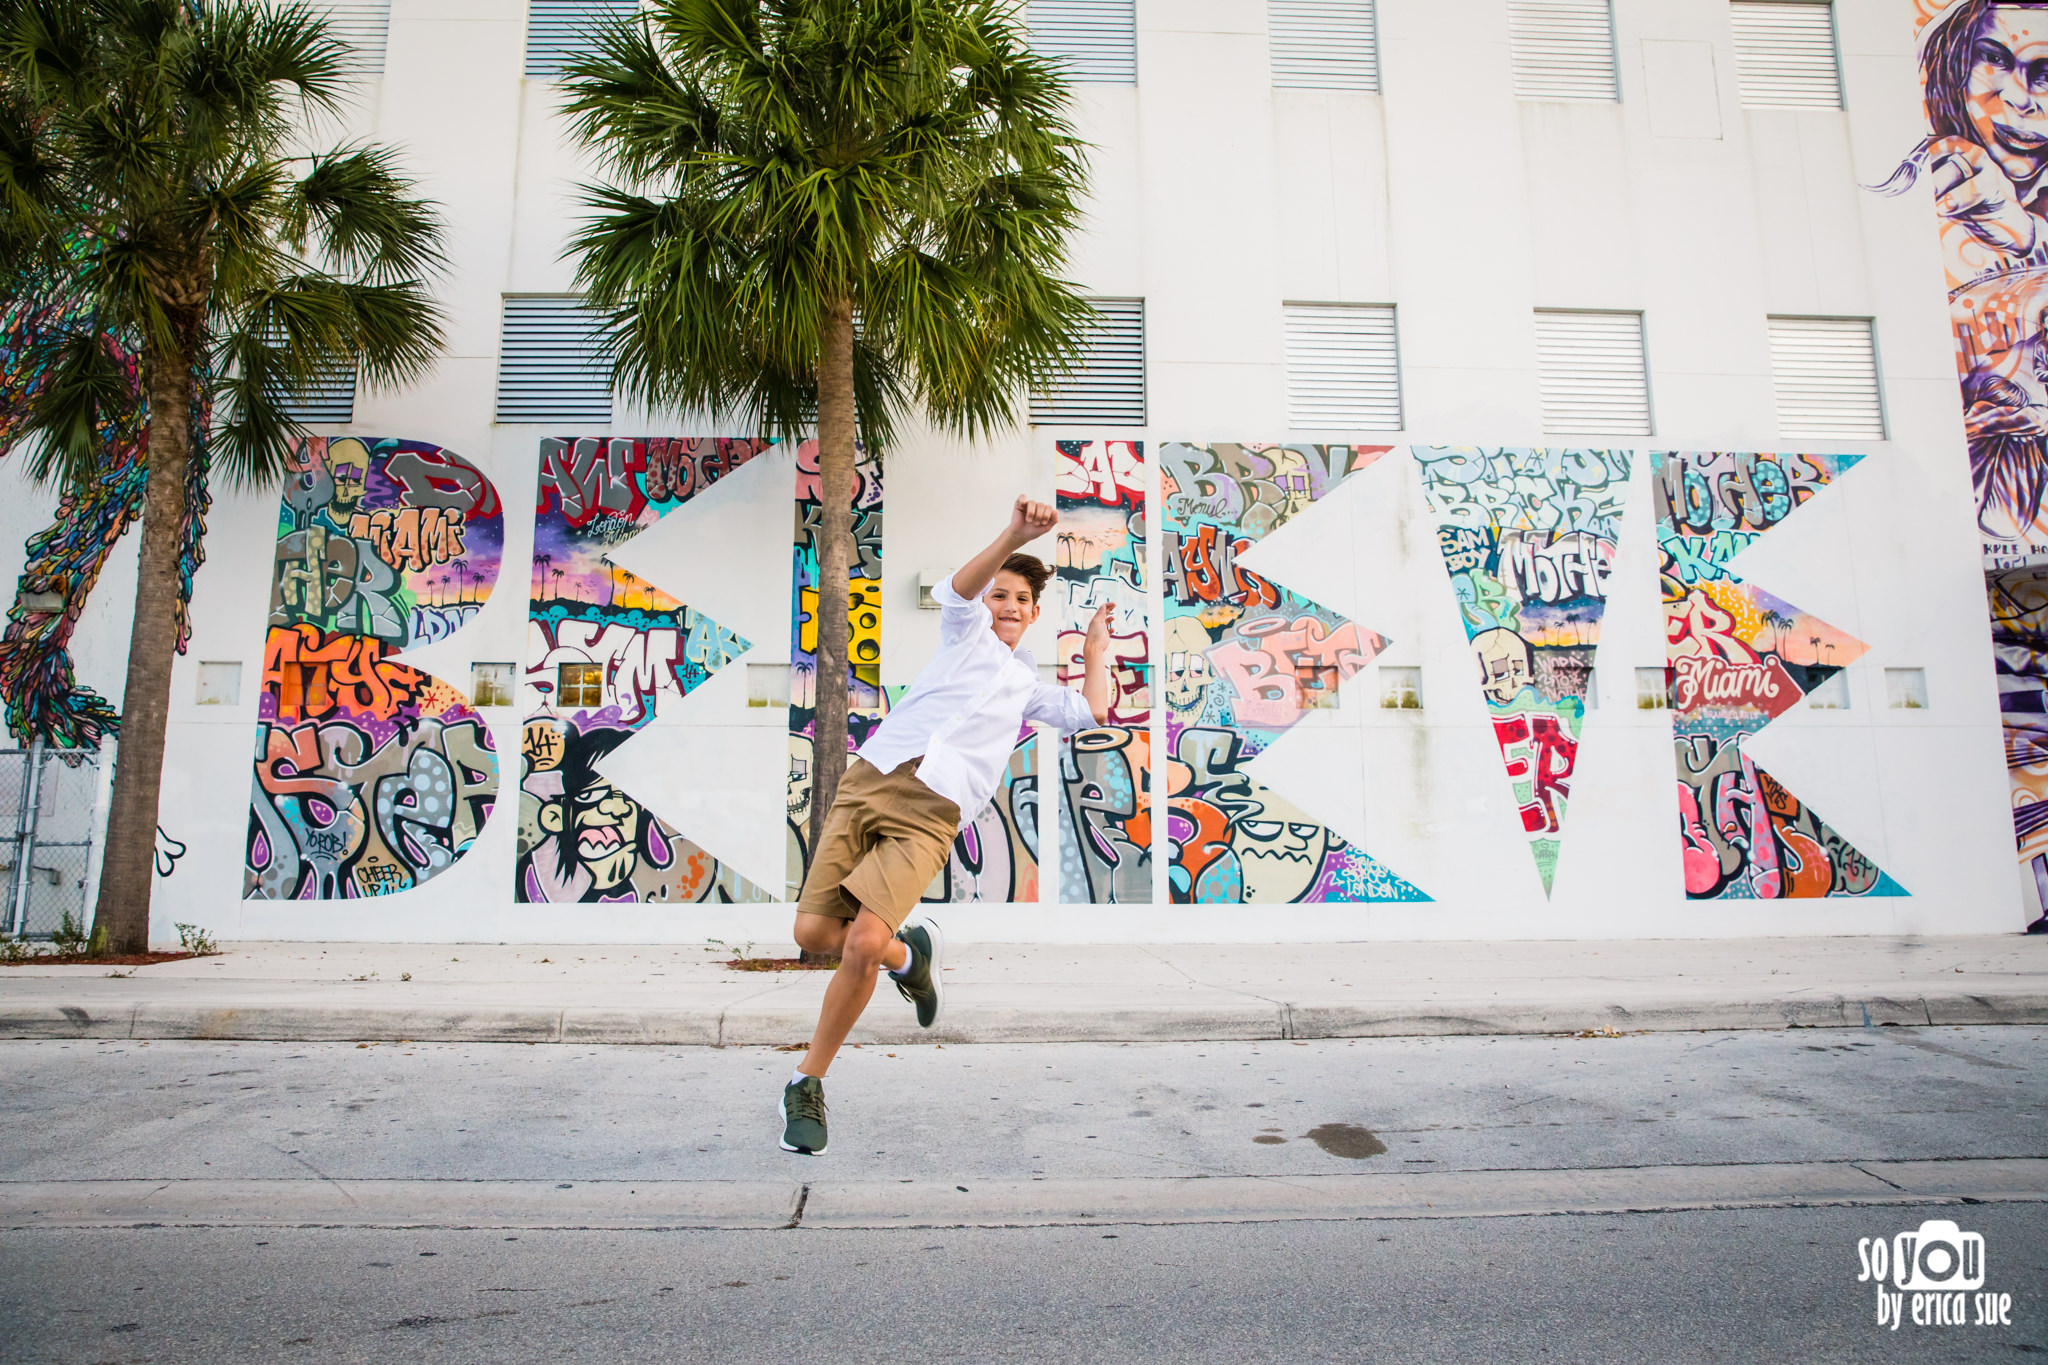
{"points": [[1563, 49], [1785, 54], [1107, 386], [1097, 38], [1825, 371], [1591, 374], [363, 25], [1323, 44], [327, 401], [556, 30], [1343, 367], [550, 368]]}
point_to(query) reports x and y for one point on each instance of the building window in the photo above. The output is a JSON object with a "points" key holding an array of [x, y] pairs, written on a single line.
{"points": [[1591, 373], [363, 25], [1832, 695], [767, 684], [1343, 367], [490, 684], [1401, 689], [1106, 387], [327, 400], [1825, 372], [1563, 49], [220, 684], [1323, 44], [1096, 40], [1653, 689], [579, 685], [558, 31], [1785, 54], [551, 367], [1905, 689]]}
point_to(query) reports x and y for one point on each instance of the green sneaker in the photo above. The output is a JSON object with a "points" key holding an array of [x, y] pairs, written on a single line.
{"points": [[921, 986], [803, 1116]]}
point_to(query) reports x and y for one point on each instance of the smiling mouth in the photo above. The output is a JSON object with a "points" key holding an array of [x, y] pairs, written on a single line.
{"points": [[2018, 139], [600, 842]]}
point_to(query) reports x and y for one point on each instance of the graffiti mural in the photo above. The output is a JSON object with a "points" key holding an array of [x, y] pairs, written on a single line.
{"points": [[604, 648], [1738, 659], [37, 679], [1246, 659], [867, 703], [995, 858], [1528, 537], [371, 775], [1106, 772], [1985, 156]]}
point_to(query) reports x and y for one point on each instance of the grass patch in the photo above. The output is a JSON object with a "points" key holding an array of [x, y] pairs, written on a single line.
{"points": [[781, 964]]}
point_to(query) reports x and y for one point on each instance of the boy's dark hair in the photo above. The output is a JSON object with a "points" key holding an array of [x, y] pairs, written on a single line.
{"points": [[1032, 570]]}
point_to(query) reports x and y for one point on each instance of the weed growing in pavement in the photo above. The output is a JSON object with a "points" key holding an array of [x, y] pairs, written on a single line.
{"points": [[197, 941]]}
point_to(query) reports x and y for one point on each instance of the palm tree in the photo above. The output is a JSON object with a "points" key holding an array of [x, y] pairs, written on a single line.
{"points": [[853, 208], [461, 566], [150, 176]]}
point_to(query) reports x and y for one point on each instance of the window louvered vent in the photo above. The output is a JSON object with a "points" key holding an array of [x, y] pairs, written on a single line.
{"points": [[363, 25], [1825, 372], [1107, 385], [328, 401], [1785, 54], [1323, 44], [1343, 368], [556, 30], [1563, 49], [1591, 374], [549, 365], [1097, 38]]}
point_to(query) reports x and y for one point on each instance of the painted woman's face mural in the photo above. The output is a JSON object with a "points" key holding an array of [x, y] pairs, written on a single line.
{"points": [[2007, 94], [1984, 86]]}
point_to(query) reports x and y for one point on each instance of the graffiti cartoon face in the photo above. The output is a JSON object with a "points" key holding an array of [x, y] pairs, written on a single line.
{"points": [[600, 830], [1188, 673], [1281, 857], [1506, 664], [348, 464]]}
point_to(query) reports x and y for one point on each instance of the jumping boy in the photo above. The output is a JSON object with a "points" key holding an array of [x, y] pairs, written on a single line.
{"points": [[922, 776]]}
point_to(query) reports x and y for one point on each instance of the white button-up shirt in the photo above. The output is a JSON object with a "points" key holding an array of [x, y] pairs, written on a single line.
{"points": [[967, 708]]}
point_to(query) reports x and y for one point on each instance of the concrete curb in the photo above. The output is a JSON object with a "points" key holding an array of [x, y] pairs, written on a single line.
{"points": [[777, 1023], [822, 1202]]}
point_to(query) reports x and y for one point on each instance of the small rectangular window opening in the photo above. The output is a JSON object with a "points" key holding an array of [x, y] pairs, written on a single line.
{"points": [[1401, 689], [579, 685], [491, 684], [1832, 695], [220, 684], [1905, 689], [1653, 689]]}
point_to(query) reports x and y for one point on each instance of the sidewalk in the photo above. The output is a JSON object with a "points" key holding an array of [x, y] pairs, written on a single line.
{"points": [[1037, 993]]}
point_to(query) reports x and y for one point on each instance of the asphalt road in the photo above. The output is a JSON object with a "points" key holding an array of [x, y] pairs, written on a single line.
{"points": [[250, 1132]]}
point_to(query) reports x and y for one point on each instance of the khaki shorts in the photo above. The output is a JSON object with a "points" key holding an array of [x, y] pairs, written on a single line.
{"points": [[885, 838]]}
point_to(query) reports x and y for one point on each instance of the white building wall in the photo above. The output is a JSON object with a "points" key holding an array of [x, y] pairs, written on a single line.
{"points": [[1217, 198]]}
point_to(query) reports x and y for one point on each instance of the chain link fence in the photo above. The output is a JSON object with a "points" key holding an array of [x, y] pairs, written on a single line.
{"points": [[50, 813]]}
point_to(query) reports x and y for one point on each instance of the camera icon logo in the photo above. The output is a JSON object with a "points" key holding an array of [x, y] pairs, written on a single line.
{"points": [[1940, 1256]]}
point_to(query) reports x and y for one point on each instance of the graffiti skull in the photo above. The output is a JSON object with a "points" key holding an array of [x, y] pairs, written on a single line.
{"points": [[1506, 664]]}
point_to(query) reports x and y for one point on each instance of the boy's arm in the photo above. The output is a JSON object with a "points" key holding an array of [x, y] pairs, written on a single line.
{"points": [[1028, 521], [1095, 665]]}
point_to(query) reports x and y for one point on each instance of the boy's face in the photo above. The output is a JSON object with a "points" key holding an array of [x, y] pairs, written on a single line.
{"points": [[1010, 601]]}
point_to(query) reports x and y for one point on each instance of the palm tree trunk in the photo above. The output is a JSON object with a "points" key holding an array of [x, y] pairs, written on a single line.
{"points": [[129, 866], [836, 427]]}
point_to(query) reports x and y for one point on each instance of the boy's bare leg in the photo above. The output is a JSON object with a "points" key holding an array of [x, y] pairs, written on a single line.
{"points": [[865, 944]]}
